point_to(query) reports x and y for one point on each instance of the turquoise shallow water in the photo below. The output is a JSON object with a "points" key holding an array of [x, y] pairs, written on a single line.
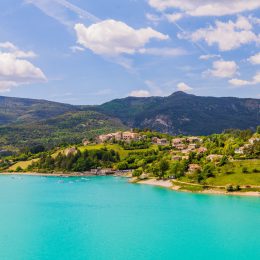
{"points": [[107, 218]]}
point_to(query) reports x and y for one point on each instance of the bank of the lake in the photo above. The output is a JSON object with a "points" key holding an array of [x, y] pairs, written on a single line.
{"points": [[169, 184], [177, 186], [56, 174]]}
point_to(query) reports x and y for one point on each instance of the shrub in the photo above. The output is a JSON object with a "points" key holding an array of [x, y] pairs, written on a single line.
{"points": [[237, 188], [244, 170], [18, 169], [137, 173], [229, 188], [229, 172]]}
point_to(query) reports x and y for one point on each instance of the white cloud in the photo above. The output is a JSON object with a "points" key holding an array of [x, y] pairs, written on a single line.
{"points": [[140, 93], [227, 36], [174, 17], [206, 7], [154, 18], [223, 69], [184, 87], [153, 90], [240, 82], [10, 47], [15, 70], [209, 56], [255, 59], [112, 38], [167, 52]]}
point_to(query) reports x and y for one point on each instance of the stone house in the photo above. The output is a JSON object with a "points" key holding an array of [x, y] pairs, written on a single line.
{"points": [[130, 136], [202, 150], [176, 158], [253, 140], [177, 141], [214, 157], [193, 168], [85, 142], [194, 139]]}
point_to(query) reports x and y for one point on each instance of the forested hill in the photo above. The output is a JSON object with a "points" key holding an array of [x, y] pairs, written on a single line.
{"points": [[182, 113], [26, 122], [13, 110]]}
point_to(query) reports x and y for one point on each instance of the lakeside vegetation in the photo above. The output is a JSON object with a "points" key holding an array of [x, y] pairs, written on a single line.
{"points": [[230, 159]]}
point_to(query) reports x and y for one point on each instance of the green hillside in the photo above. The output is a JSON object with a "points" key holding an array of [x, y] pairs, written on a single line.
{"points": [[182, 113]]}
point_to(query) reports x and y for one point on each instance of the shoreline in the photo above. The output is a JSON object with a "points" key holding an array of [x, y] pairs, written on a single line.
{"points": [[169, 185], [61, 174], [49, 174]]}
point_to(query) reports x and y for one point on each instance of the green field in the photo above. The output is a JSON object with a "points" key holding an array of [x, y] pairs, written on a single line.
{"points": [[22, 164], [122, 152], [232, 173]]}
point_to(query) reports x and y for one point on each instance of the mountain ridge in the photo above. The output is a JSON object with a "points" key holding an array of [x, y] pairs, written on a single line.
{"points": [[31, 121], [182, 113]]}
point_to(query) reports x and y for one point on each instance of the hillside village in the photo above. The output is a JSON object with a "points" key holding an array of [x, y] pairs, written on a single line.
{"points": [[192, 159], [181, 149]]}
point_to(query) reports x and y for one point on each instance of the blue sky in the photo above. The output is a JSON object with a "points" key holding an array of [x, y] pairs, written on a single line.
{"points": [[89, 52]]}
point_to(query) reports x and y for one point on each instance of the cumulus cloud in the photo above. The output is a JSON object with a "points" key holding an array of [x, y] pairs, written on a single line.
{"points": [[10, 47], [140, 93], [184, 87], [255, 59], [223, 69], [154, 18], [240, 82], [112, 38], [206, 7], [227, 36], [174, 17], [15, 69]]}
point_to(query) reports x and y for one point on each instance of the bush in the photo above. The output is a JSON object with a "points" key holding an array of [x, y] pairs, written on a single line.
{"points": [[19, 169], [122, 166], [229, 172], [137, 173], [237, 188], [229, 188], [244, 170]]}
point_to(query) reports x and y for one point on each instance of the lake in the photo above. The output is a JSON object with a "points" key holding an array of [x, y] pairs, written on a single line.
{"points": [[107, 218]]}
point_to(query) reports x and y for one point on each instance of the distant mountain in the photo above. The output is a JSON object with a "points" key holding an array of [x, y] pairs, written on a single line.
{"points": [[182, 113], [29, 122], [26, 122], [14, 110]]}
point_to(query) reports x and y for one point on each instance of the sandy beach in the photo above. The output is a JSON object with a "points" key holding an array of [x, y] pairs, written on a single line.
{"points": [[168, 184], [154, 182]]}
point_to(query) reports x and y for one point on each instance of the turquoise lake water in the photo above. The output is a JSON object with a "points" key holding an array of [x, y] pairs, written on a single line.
{"points": [[107, 218]]}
